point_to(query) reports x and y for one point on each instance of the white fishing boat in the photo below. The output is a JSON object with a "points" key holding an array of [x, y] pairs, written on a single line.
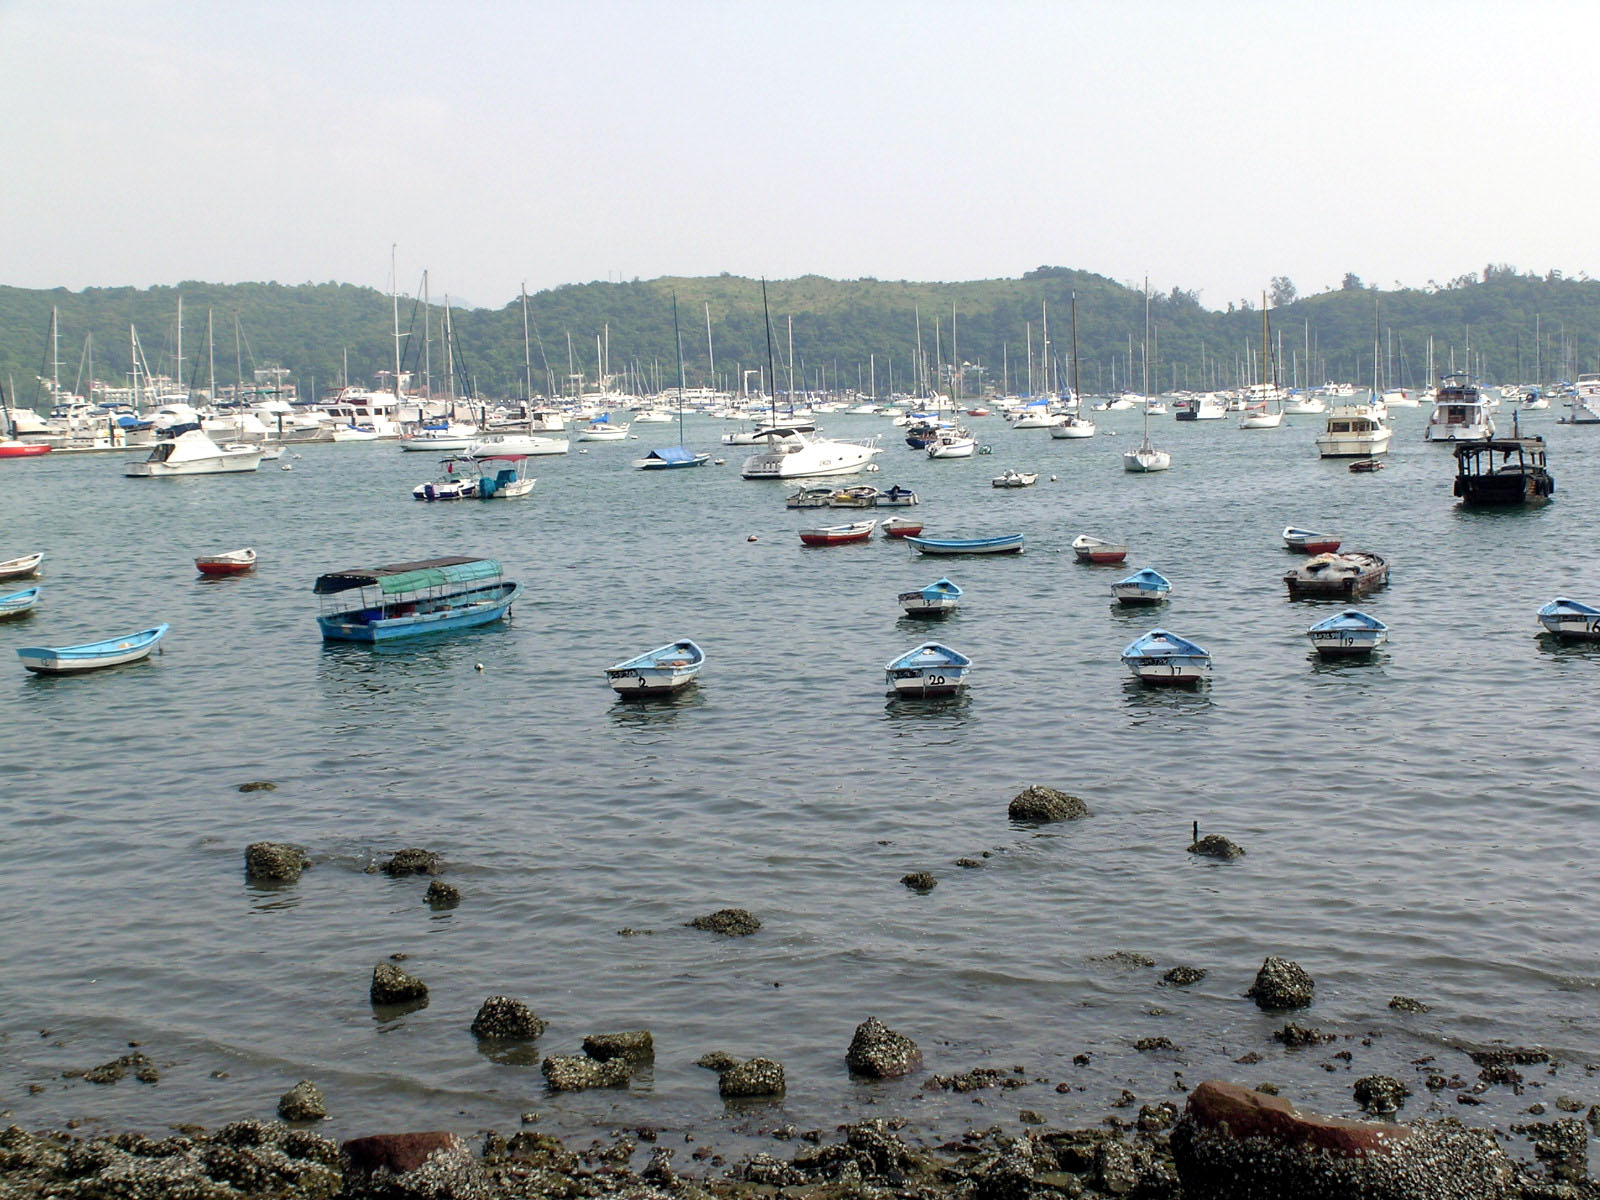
{"points": [[1349, 634], [445, 435], [1571, 619], [927, 671], [191, 452], [25, 567], [938, 599], [1142, 587], [658, 672], [1160, 657]]}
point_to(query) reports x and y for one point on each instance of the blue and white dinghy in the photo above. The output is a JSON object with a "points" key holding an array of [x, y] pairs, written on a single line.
{"points": [[1350, 634], [91, 656], [1005, 543], [18, 603], [1166, 658], [658, 672], [936, 600], [1142, 587], [1571, 619], [929, 670]]}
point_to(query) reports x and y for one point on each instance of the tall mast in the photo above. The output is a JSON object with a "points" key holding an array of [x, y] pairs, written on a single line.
{"points": [[677, 335], [180, 348], [1076, 390], [920, 371], [211, 356], [55, 356], [527, 356], [1266, 347], [394, 297], [791, 364], [710, 354], [1044, 328], [772, 368], [427, 342]]}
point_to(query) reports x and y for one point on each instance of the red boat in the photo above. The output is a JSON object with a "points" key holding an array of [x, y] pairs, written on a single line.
{"points": [[235, 562], [1097, 550], [9, 449], [838, 535], [899, 527], [1308, 541]]}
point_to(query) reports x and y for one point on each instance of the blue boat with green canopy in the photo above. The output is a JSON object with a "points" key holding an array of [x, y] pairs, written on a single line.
{"points": [[409, 599]]}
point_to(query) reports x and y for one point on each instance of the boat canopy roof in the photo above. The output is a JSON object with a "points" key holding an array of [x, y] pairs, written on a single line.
{"points": [[673, 454], [409, 576]]}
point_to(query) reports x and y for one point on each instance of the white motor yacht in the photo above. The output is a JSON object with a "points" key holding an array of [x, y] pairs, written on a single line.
{"points": [[1354, 431], [793, 454], [191, 452], [1459, 413], [517, 443]]}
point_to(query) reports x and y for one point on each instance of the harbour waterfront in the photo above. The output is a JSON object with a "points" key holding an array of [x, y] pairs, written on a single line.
{"points": [[1418, 825]]}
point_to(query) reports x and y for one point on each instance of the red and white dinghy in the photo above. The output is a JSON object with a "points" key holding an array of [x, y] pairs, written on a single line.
{"points": [[234, 562], [838, 535], [1309, 541], [1097, 550], [900, 527]]}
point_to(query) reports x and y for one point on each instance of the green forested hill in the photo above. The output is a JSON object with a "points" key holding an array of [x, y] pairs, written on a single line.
{"points": [[843, 330]]}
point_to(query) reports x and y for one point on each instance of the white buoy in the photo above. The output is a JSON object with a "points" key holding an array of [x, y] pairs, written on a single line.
{"points": [[752, 538], [1052, 479], [285, 467], [479, 667]]}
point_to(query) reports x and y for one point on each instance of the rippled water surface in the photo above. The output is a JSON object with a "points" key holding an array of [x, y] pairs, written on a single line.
{"points": [[1423, 824]]}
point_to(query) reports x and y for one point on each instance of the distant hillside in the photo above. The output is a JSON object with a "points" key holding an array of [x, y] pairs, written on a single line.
{"points": [[845, 332]]}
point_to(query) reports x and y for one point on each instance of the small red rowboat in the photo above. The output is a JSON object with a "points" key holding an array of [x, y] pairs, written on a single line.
{"points": [[1308, 541], [235, 562], [10, 449], [1096, 550], [899, 527], [838, 535]]}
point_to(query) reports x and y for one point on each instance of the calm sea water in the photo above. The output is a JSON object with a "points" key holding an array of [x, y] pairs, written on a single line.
{"points": [[1422, 825]]}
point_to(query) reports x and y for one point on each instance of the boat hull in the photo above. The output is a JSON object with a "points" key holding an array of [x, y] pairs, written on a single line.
{"points": [[91, 656], [1010, 544], [25, 567], [1164, 671], [1308, 583], [650, 681], [18, 604], [461, 610], [1330, 643]]}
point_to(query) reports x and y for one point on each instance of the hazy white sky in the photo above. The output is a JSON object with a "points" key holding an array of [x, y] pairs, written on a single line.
{"points": [[1210, 145]]}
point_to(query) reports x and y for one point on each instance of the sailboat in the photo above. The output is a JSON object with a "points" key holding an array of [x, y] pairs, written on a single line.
{"points": [[1258, 413], [1074, 424], [526, 442], [671, 457], [1146, 458]]}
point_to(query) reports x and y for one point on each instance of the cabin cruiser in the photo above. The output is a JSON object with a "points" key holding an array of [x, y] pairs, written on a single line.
{"points": [[1354, 431], [517, 443], [793, 453], [1583, 408], [1459, 413], [1201, 408], [186, 450]]}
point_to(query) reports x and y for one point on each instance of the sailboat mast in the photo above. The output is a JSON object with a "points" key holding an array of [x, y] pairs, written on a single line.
{"points": [[394, 299], [211, 356], [427, 341], [772, 369], [527, 356], [1044, 326], [791, 364], [55, 356], [1077, 392], [180, 347], [677, 335], [711, 355]]}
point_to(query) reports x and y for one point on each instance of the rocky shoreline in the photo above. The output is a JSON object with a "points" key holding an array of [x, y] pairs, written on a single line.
{"points": [[1227, 1143]]}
